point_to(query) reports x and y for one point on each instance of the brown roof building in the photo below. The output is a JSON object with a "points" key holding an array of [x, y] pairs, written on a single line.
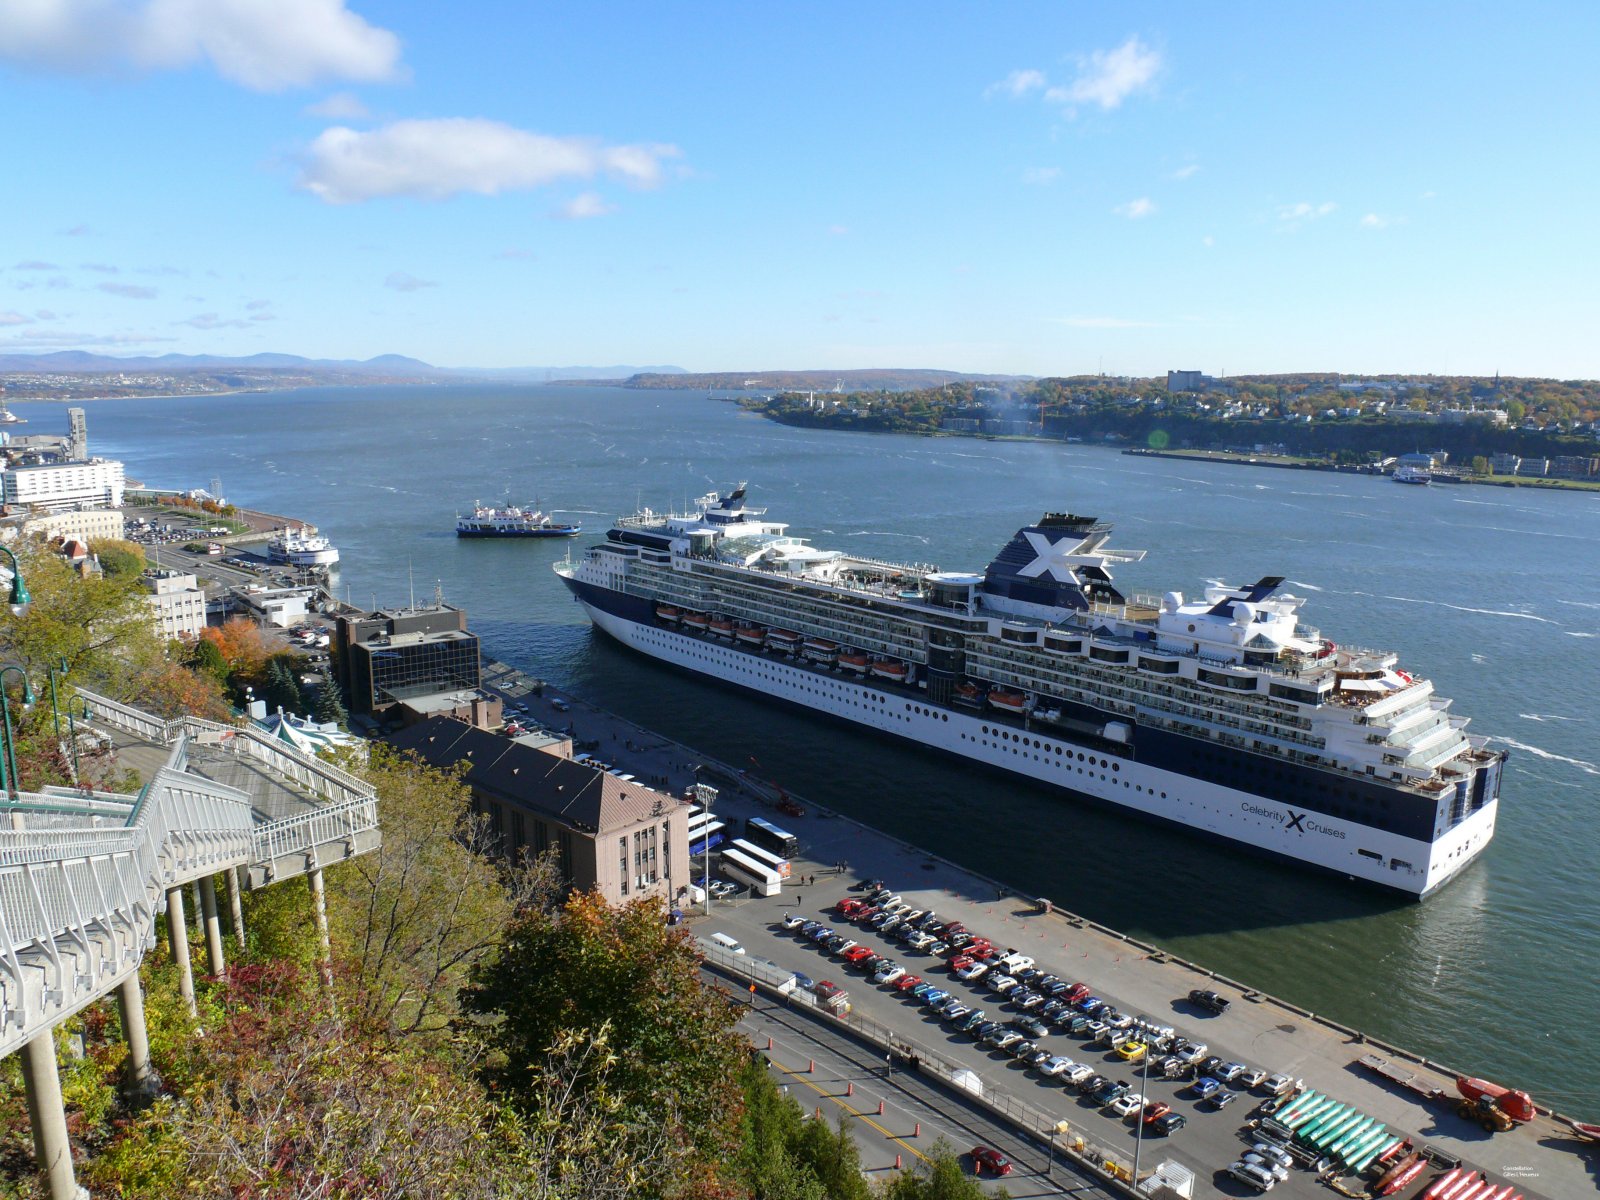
{"points": [[616, 835]]}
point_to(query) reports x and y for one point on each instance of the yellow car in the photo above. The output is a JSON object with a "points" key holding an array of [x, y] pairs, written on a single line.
{"points": [[1132, 1051]]}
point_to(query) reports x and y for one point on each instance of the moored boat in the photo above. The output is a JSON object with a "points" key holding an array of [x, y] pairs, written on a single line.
{"points": [[891, 668], [667, 612], [512, 521], [722, 627], [1011, 702], [783, 639], [855, 662], [751, 635], [696, 620]]}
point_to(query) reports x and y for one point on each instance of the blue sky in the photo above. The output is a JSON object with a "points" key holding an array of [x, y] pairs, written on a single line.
{"points": [[1031, 188]]}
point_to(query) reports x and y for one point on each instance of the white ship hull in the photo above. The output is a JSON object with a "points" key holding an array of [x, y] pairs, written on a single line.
{"points": [[1262, 824]]}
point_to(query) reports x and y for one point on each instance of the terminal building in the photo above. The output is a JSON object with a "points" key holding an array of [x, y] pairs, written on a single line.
{"points": [[386, 658], [609, 833]]}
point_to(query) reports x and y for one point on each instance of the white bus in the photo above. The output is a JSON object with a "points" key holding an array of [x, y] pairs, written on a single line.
{"points": [[742, 869], [762, 855]]}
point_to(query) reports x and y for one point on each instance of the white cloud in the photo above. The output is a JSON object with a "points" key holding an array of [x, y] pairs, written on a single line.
{"points": [[434, 159], [401, 282], [1208, 240], [1374, 221], [1294, 215], [1041, 175], [583, 206], [341, 106], [838, 230], [1019, 83], [1135, 209], [1104, 323], [1108, 77], [1187, 172], [129, 291], [265, 45], [15, 318]]}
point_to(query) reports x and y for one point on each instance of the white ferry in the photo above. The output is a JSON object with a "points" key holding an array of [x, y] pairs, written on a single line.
{"points": [[512, 521], [1226, 715], [302, 547]]}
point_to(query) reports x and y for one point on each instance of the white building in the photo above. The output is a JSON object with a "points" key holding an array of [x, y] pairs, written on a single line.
{"points": [[97, 483], [283, 607], [86, 525], [178, 602]]}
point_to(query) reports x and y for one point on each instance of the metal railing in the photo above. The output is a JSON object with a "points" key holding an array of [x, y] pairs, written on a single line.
{"points": [[82, 878]]}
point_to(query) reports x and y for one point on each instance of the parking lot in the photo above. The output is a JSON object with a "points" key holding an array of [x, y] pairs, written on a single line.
{"points": [[1253, 1032]]}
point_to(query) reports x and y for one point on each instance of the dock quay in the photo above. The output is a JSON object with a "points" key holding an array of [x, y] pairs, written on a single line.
{"points": [[1542, 1160]]}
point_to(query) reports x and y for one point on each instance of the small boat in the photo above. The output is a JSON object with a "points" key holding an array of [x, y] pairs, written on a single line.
{"points": [[1586, 1129], [969, 693], [667, 613], [820, 649], [722, 627], [783, 639], [1412, 475], [859, 663], [1011, 702], [891, 668], [695, 620], [751, 635]]}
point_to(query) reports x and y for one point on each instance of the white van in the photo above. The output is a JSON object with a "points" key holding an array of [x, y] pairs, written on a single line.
{"points": [[727, 943]]}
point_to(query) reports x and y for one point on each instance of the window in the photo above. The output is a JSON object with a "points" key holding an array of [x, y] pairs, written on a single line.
{"points": [[622, 863]]}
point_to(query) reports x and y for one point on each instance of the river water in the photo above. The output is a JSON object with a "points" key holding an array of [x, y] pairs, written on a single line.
{"points": [[1494, 594]]}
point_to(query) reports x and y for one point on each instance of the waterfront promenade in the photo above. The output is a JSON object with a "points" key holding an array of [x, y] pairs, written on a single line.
{"points": [[1544, 1160]]}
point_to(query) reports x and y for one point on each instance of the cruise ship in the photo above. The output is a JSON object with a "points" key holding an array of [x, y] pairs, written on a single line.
{"points": [[1226, 716]]}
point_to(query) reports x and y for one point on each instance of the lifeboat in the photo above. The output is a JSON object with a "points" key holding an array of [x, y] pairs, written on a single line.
{"points": [[1011, 702], [969, 693], [751, 635], [855, 662], [695, 620], [820, 649], [891, 668], [722, 627], [782, 639], [667, 613]]}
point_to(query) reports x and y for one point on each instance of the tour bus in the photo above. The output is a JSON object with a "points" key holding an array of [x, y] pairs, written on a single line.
{"points": [[762, 855], [705, 833], [765, 833], [741, 868]]}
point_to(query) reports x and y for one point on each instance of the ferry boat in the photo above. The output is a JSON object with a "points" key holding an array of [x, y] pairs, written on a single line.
{"points": [[1225, 715], [512, 521], [1412, 475], [302, 547]]}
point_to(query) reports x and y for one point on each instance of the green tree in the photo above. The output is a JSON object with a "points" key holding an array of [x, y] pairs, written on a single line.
{"points": [[782, 1154], [1480, 465], [589, 965], [206, 658], [279, 688], [119, 559], [414, 918], [939, 1177], [329, 707]]}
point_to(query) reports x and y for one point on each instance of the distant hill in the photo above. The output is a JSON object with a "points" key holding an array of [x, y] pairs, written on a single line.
{"points": [[562, 374], [877, 379], [81, 360]]}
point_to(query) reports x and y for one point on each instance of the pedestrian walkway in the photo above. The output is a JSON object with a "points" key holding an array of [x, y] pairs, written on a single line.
{"points": [[84, 876]]}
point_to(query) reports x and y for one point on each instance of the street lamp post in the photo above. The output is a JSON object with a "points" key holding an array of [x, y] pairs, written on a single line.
{"points": [[1138, 1127], [11, 784], [707, 796], [19, 590]]}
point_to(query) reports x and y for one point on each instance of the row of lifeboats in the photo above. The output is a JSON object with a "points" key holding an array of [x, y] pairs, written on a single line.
{"points": [[973, 696], [785, 641]]}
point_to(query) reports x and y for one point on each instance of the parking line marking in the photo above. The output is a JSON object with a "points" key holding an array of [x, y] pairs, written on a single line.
{"points": [[854, 1112]]}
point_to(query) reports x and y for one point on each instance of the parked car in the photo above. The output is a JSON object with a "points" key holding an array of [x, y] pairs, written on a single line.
{"points": [[849, 905], [1074, 1075], [921, 990], [1153, 1110], [792, 921], [1276, 1085], [1001, 984], [934, 997], [1169, 1123], [1051, 1009], [1126, 1104], [1132, 1050], [1221, 1100], [1108, 1091], [1254, 1176], [1002, 1038], [1269, 1164], [887, 972], [1229, 1071], [986, 1159], [1028, 1000], [1054, 1065], [1273, 1154], [956, 1012], [1253, 1078], [810, 927], [1022, 1049], [972, 1021], [1031, 1026], [1092, 1083], [1209, 1065], [1205, 1087], [856, 953], [1212, 1002], [907, 983]]}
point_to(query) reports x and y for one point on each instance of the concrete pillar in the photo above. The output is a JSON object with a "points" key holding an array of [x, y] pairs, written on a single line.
{"points": [[319, 900], [51, 1146], [213, 927], [236, 905], [178, 941], [141, 1079]]}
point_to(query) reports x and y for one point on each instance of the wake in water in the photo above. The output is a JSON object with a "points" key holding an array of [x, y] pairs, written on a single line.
{"points": [[1547, 717], [1310, 587], [916, 537], [1485, 612], [1588, 768]]}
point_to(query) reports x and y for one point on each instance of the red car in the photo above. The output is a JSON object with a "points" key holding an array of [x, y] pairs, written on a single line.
{"points": [[981, 953], [984, 1157], [849, 906], [961, 962], [1154, 1112], [856, 953], [1075, 993], [952, 928], [906, 982]]}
